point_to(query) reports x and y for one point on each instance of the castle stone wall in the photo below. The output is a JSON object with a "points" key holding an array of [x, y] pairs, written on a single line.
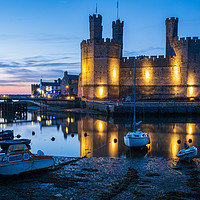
{"points": [[105, 74], [100, 64]]}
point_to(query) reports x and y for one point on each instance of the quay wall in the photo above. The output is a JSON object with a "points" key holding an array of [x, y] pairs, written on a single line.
{"points": [[146, 107]]}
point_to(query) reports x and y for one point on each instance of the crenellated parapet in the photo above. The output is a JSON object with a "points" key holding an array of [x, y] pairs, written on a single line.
{"points": [[171, 20], [153, 60], [102, 41], [192, 40]]}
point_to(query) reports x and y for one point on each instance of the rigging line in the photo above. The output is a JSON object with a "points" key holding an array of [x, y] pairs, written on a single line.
{"points": [[99, 147]]}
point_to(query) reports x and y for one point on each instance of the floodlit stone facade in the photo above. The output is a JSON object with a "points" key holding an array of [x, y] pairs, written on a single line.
{"points": [[106, 74]]}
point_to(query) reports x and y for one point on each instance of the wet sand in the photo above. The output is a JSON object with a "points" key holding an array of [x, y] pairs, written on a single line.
{"points": [[107, 178]]}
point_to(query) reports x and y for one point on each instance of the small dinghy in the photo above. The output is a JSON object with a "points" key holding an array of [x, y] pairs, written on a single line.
{"points": [[15, 158], [6, 135], [187, 154]]}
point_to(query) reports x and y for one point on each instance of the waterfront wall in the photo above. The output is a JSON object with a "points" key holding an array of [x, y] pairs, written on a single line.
{"points": [[143, 108]]}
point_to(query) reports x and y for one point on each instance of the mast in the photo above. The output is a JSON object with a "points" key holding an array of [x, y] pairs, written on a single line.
{"points": [[134, 122]]}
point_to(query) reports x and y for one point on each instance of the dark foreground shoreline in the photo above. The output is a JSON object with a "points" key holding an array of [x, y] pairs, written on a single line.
{"points": [[107, 178]]}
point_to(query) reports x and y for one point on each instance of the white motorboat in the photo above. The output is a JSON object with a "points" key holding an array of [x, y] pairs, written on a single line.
{"points": [[136, 139], [187, 154], [15, 158]]}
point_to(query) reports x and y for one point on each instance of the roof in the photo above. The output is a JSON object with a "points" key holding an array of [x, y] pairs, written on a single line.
{"points": [[72, 76], [16, 141], [50, 84]]}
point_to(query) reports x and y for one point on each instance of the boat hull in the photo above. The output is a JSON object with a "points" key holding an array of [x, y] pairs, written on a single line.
{"points": [[135, 142], [21, 167], [187, 154]]}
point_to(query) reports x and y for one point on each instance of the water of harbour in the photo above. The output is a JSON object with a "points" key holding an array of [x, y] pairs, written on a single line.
{"points": [[97, 136]]}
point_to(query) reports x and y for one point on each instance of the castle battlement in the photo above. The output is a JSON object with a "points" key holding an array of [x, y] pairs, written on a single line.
{"points": [[155, 60], [95, 17], [172, 19], [102, 41], [117, 22], [186, 40]]}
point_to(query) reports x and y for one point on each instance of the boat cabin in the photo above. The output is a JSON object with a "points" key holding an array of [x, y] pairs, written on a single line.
{"points": [[9, 146]]}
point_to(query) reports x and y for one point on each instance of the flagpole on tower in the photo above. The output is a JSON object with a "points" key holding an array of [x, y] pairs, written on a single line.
{"points": [[117, 9], [96, 8]]}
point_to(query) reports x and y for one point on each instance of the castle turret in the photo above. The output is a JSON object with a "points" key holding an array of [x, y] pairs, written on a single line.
{"points": [[117, 32], [171, 33], [100, 62], [95, 27]]}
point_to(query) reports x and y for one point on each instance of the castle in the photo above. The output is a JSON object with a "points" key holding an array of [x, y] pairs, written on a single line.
{"points": [[106, 74]]}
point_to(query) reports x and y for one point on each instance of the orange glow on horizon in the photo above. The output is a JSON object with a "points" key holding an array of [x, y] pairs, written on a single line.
{"points": [[15, 89]]}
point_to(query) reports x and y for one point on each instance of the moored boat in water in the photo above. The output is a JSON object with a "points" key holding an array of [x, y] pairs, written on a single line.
{"points": [[136, 139], [16, 158], [6, 135]]}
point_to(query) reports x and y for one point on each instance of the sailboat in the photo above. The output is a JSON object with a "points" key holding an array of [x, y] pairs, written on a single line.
{"points": [[137, 138]]}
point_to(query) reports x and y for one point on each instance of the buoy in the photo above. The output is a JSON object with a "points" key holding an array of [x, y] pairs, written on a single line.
{"points": [[53, 138], [178, 141], [190, 140], [72, 135], [18, 136], [115, 140], [85, 134], [33, 132]]}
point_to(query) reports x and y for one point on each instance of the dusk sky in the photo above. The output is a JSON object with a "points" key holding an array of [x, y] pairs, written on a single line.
{"points": [[41, 38]]}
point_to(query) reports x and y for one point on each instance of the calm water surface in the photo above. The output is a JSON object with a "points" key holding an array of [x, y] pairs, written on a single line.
{"points": [[77, 135]]}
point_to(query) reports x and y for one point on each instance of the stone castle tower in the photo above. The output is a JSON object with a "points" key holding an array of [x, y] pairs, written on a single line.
{"points": [[106, 74], [171, 34], [100, 61]]}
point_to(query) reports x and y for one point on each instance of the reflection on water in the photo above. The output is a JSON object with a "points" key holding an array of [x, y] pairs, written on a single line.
{"points": [[138, 152], [77, 135]]}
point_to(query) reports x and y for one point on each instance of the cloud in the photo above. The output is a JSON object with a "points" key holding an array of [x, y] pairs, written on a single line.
{"points": [[31, 69]]}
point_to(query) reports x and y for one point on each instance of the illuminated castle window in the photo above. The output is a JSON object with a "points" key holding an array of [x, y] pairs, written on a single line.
{"points": [[101, 91]]}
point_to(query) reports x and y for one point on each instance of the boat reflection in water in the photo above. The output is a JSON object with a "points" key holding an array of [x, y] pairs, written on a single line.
{"points": [[164, 135], [98, 136], [138, 152]]}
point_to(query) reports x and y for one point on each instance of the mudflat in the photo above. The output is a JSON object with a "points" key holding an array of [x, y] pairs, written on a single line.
{"points": [[107, 178]]}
